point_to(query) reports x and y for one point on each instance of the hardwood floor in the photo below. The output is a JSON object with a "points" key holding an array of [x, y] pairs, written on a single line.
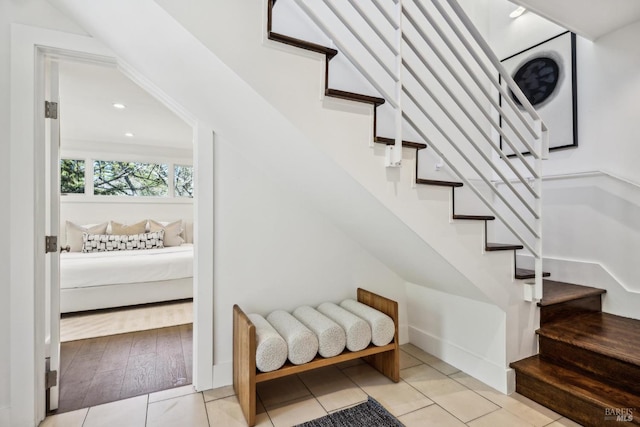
{"points": [[105, 369]]}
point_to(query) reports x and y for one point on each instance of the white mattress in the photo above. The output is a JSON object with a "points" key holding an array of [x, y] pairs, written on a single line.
{"points": [[82, 270]]}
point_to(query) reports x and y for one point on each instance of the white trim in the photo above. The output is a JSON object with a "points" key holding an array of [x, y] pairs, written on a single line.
{"points": [[26, 326], [25, 239], [5, 414], [131, 200], [499, 377], [203, 219], [584, 263], [574, 175]]}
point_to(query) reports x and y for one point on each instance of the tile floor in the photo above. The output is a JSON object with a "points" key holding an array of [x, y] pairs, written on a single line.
{"points": [[431, 393]]}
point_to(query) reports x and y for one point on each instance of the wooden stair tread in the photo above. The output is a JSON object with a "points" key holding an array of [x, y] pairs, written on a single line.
{"points": [[391, 141], [303, 44], [358, 97], [438, 183], [576, 383], [474, 217], [554, 292], [501, 247], [525, 273], [613, 336]]}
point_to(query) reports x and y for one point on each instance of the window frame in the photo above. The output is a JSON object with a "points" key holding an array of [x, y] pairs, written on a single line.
{"points": [[89, 193]]}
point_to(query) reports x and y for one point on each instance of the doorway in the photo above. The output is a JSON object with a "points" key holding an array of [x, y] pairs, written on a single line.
{"points": [[125, 170], [26, 204]]}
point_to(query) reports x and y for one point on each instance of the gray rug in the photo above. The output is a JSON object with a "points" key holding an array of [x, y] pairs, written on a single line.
{"points": [[367, 414]]}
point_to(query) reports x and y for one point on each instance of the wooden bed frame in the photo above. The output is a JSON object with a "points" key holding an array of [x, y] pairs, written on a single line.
{"points": [[385, 359]]}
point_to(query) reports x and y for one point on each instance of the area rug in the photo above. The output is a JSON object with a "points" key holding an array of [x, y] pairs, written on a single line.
{"points": [[367, 414], [120, 321]]}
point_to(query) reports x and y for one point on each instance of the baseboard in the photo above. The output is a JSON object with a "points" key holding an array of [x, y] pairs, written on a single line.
{"points": [[222, 374], [618, 300], [501, 378]]}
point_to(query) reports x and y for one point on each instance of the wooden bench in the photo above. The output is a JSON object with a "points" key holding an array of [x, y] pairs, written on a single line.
{"points": [[385, 359]]}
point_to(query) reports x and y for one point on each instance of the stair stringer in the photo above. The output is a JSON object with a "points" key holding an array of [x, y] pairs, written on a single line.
{"points": [[290, 156], [292, 80]]}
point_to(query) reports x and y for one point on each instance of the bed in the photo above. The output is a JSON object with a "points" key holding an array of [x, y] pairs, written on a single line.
{"points": [[98, 280]]}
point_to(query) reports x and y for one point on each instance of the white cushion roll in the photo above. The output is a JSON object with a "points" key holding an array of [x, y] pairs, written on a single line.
{"points": [[271, 348], [357, 330], [301, 342], [331, 337], [382, 327]]}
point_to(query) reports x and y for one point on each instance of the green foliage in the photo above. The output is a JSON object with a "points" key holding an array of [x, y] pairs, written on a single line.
{"points": [[183, 181], [129, 179], [71, 176]]}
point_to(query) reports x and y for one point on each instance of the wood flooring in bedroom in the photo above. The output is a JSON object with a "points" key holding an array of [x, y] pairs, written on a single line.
{"points": [[115, 367]]}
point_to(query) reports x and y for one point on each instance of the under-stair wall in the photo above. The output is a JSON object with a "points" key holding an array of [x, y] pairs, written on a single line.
{"points": [[293, 81], [422, 208]]}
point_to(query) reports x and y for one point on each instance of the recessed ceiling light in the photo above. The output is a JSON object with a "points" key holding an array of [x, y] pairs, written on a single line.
{"points": [[516, 13], [129, 135], [119, 105]]}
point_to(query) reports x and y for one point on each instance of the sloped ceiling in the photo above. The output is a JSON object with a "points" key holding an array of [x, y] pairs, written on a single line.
{"points": [[88, 92], [589, 18]]}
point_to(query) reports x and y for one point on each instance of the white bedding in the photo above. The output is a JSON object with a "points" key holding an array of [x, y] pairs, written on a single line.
{"points": [[82, 270]]}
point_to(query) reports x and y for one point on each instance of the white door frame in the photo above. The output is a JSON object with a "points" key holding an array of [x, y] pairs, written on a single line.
{"points": [[27, 317]]}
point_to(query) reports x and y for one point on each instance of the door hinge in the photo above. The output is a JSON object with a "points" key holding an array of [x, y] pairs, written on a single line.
{"points": [[50, 377], [50, 244], [50, 110]]}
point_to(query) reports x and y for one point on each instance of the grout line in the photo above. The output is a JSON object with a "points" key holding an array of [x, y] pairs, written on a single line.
{"points": [[146, 412]]}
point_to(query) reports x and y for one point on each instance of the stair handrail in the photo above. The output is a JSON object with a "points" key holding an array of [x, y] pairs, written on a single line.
{"points": [[537, 142]]}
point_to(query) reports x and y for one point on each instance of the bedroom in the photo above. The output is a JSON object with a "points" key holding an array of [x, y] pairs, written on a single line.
{"points": [[125, 170]]}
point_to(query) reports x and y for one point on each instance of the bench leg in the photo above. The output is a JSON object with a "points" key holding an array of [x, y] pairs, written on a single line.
{"points": [[244, 364], [388, 363]]}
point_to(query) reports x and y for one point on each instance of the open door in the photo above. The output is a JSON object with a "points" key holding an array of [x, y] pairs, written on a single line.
{"points": [[52, 228]]}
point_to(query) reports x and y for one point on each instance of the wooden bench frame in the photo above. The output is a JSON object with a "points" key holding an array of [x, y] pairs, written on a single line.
{"points": [[385, 359]]}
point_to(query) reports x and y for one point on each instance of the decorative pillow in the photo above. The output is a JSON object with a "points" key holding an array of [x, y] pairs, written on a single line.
{"points": [[117, 242], [128, 230], [75, 231], [172, 231]]}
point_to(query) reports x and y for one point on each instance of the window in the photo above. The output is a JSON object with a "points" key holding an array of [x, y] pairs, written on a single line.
{"points": [[71, 176], [183, 180], [130, 179]]}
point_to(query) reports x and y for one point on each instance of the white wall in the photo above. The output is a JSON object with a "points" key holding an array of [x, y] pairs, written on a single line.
{"points": [[276, 251], [468, 334], [607, 92]]}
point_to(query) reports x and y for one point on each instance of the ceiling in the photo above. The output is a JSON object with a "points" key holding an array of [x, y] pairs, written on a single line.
{"points": [[589, 18], [88, 118]]}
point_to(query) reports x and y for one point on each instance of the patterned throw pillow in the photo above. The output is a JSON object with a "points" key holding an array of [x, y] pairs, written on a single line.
{"points": [[117, 242]]}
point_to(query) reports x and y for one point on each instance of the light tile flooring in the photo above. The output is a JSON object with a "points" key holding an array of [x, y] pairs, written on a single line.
{"points": [[431, 393]]}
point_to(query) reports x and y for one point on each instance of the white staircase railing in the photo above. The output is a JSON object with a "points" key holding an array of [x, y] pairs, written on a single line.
{"points": [[444, 80]]}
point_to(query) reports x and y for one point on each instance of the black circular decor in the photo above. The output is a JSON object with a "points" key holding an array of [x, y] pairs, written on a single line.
{"points": [[538, 79]]}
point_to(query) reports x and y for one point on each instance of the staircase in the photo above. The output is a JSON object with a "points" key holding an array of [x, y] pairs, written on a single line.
{"points": [[375, 102], [588, 366], [589, 362]]}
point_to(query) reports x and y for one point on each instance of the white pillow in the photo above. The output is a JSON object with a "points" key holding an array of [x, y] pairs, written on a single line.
{"points": [[172, 231], [128, 230], [74, 233]]}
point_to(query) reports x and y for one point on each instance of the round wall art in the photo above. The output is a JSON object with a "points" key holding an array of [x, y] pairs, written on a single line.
{"points": [[538, 79], [546, 74]]}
